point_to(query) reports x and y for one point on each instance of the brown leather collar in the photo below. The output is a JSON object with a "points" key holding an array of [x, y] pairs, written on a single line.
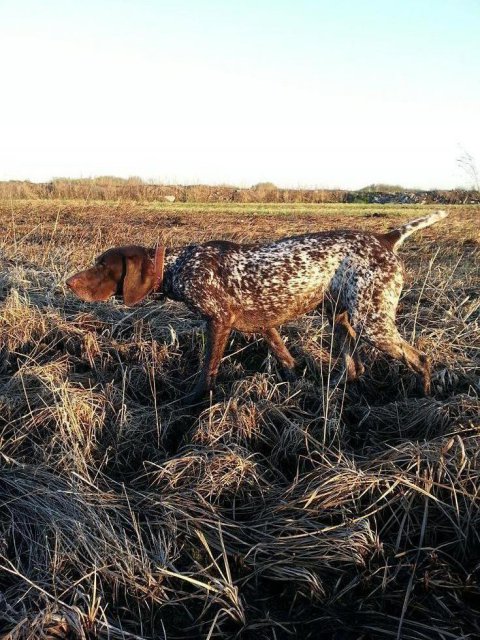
{"points": [[159, 267]]}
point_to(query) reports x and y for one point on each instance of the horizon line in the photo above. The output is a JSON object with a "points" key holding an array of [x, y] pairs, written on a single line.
{"points": [[132, 179]]}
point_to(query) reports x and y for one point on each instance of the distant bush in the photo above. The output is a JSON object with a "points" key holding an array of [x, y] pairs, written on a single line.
{"points": [[384, 188], [264, 186]]}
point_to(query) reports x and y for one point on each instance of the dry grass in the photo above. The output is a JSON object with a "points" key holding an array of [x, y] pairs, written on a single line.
{"points": [[281, 510], [112, 188]]}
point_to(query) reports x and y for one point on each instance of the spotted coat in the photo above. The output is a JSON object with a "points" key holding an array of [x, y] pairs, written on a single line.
{"points": [[253, 288]]}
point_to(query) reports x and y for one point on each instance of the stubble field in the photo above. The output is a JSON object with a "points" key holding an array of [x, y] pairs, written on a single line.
{"points": [[277, 509]]}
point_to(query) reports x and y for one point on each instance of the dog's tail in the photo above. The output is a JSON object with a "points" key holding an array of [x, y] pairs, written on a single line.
{"points": [[396, 237]]}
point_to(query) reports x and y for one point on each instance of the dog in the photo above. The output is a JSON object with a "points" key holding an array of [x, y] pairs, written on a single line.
{"points": [[256, 288]]}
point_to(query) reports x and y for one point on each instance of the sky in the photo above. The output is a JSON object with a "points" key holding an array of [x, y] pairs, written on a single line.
{"points": [[301, 93]]}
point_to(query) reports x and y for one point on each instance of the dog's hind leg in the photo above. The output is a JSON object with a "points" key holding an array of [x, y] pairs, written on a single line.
{"points": [[374, 321], [385, 337], [346, 337]]}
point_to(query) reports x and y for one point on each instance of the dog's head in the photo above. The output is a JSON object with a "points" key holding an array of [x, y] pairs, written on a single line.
{"points": [[129, 272]]}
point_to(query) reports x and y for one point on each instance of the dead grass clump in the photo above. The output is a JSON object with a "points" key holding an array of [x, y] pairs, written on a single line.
{"points": [[34, 333], [416, 418], [230, 421], [48, 625], [21, 324], [58, 529], [216, 475], [281, 420], [306, 554], [434, 482], [332, 489], [46, 418]]}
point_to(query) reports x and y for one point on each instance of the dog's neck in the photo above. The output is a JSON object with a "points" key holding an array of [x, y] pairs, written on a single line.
{"points": [[159, 266], [171, 254], [169, 258]]}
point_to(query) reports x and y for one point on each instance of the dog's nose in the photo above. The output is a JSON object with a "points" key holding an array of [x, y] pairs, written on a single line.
{"points": [[70, 282]]}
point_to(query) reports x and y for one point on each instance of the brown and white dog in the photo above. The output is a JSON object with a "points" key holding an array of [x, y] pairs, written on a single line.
{"points": [[256, 288]]}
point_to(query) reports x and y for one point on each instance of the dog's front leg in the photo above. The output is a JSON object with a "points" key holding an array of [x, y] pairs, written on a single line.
{"points": [[279, 348], [217, 337]]}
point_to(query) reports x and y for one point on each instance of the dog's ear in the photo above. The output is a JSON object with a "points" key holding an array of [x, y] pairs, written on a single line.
{"points": [[139, 279]]}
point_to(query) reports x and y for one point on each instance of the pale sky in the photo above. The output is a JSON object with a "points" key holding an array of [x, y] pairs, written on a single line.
{"points": [[328, 93]]}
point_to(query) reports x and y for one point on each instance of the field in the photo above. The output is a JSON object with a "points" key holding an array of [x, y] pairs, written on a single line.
{"points": [[277, 510]]}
